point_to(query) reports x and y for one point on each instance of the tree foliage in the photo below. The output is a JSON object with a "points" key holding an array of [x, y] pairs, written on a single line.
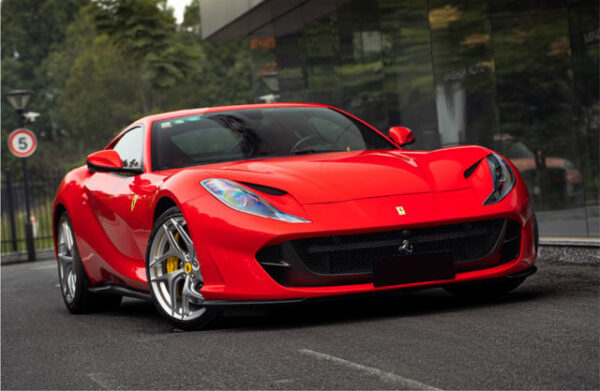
{"points": [[96, 66], [31, 30]]}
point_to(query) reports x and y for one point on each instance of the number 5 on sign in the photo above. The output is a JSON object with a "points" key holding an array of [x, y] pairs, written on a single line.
{"points": [[22, 143]]}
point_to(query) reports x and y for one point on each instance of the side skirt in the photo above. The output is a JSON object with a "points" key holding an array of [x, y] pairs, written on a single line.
{"points": [[114, 289]]}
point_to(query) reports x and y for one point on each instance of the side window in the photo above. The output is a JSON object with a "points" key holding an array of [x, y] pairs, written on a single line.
{"points": [[130, 148]]}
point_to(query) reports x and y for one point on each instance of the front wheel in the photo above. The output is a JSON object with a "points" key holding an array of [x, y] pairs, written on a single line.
{"points": [[174, 275]]}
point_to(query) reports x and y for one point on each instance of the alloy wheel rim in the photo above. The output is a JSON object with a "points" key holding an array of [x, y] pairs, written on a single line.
{"points": [[176, 291], [66, 262]]}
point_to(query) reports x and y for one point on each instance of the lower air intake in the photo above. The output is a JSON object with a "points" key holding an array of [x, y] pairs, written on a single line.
{"points": [[474, 245]]}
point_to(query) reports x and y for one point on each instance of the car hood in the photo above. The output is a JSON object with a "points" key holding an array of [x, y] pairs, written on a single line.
{"points": [[343, 176]]}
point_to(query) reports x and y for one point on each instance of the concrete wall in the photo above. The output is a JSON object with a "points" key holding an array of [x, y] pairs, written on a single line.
{"points": [[216, 14], [241, 19]]}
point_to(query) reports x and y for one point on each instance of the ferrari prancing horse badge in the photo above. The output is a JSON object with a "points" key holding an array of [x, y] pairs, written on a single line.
{"points": [[133, 201]]}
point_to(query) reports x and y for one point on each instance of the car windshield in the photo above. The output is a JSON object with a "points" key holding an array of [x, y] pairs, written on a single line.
{"points": [[257, 133]]}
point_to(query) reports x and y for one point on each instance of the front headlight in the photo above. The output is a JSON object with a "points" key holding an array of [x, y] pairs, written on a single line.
{"points": [[245, 200], [503, 178]]}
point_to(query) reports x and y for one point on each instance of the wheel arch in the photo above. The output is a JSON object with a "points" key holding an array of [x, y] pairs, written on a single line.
{"points": [[59, 209], [166, 200], [164, 203]]}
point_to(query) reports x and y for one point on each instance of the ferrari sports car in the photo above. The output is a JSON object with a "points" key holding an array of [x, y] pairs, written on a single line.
{"points": [[200, 210]]}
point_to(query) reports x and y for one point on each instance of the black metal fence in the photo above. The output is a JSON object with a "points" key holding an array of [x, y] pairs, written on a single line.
{"points": [[42, 189]]}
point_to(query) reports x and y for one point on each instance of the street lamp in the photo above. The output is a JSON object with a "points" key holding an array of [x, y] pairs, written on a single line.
{"points": [[19, 99], [271, 80]]}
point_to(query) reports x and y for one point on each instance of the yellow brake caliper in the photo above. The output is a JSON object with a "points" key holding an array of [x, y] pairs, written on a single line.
{"points": [[173, 262]]}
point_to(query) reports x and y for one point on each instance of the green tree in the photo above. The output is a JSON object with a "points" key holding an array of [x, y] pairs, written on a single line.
{"points": [[147, 34], [99, 96], [31, 30], [98, 66], [220, 73]]}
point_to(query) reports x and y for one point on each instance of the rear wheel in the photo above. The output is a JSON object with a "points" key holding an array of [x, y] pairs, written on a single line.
{"points": [[485, 288], [74, 282], [536, 234], [174, 275]]}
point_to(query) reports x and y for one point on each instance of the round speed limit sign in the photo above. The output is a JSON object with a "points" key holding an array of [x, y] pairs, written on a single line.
{"points": [[22, 142]]}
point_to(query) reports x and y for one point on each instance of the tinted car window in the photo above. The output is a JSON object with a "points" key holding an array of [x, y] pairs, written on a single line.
{"points": [[257, 133], [130, 147]]}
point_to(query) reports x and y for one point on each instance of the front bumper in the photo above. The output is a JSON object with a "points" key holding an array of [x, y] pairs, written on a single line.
{"points": [[348, 259], [227, 241], [227, 304]]}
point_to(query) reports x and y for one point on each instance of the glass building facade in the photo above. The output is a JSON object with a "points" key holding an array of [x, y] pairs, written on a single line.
{"points": [[518, 76]]}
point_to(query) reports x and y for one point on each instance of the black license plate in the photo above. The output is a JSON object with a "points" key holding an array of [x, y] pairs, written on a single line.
{"points": [[406, 269]]}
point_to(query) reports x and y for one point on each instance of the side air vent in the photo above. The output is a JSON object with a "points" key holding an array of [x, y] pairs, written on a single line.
{"points": [[469, 171], [265, 189]]}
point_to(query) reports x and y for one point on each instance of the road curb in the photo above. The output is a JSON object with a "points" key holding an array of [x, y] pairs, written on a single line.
{"points": [[570, 254], [559, 252], [570, 241], [20, 257]]}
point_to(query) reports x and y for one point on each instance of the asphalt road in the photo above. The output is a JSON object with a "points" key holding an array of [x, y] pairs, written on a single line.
{"points": [[546, 335]]}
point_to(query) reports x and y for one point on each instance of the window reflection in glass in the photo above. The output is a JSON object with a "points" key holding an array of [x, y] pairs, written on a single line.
{"points": [[129, 147], [519, 76]]}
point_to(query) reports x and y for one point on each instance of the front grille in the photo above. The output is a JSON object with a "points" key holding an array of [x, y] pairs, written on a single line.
{"points": [[474, 245], [355, 253]]}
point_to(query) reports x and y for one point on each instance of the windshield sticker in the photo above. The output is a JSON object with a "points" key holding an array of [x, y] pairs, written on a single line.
{"points": [[166, 125]]}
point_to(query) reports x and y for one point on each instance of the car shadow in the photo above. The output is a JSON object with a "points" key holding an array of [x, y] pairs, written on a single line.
{"points": [[398, 304], [552, 280], [359, 309], [395, 304]]}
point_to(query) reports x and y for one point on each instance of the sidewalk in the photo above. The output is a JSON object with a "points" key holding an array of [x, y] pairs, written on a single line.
{"points": [[571, 250], [18, 257]]}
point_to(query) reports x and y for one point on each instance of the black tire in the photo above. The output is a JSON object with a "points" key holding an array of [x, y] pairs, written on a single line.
{"points": [[82, 300], [536, 234], [209, 316], [485, 288]]}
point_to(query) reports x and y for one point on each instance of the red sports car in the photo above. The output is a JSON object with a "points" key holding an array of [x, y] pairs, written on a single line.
{"points": [[280, 203]]}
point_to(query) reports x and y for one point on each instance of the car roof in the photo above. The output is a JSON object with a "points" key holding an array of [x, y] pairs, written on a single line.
{"points": [[178, 113]]}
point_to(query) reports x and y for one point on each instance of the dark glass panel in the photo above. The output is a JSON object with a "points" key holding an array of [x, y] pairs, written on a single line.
{"points": [[361, 67], [585, 43], [290, 51], [321, 50], [520, 76], [264, 69], [408, 71], [537, 109], [464, 72]]}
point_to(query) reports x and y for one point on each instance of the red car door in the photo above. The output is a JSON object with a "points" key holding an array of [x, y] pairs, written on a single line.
{"points": [[121, 204]]}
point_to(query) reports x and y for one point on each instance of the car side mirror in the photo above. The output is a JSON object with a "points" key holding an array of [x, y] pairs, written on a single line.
{"points": [[108, 160], [401, 135]]}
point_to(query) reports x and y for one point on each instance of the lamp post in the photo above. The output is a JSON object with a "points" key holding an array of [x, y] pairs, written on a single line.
{"points": [[271, 80], [19, 99]]}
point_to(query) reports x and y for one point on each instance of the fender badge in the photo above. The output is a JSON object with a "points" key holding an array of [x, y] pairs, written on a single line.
{"points": [[133, 201], [400, 210]]}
